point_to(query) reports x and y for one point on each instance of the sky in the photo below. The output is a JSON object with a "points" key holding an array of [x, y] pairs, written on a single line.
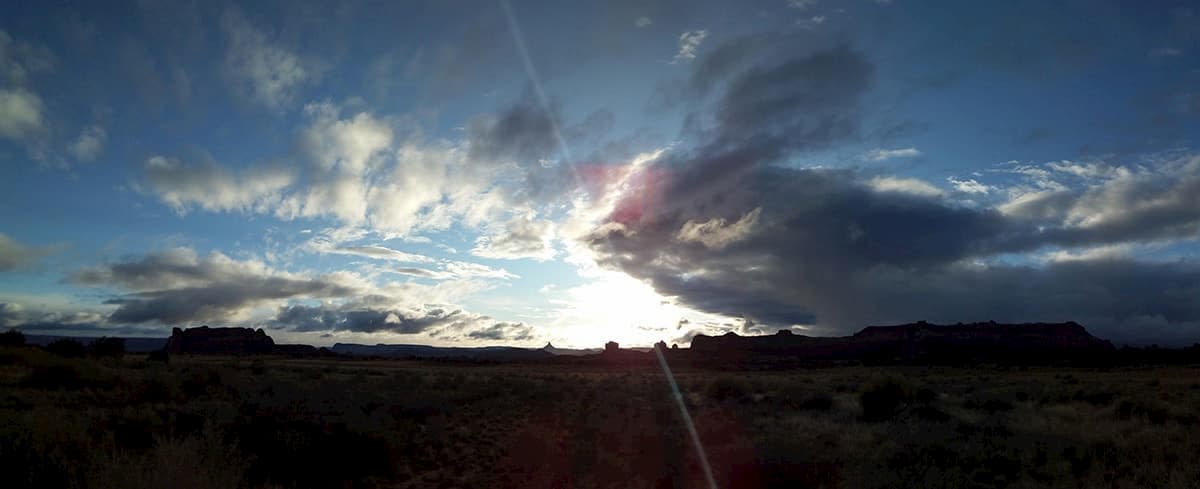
{"points": [[520, 172]]}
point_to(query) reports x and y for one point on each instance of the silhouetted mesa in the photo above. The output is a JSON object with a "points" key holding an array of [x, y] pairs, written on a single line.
{"points": [[918, 341], [220, 340]]}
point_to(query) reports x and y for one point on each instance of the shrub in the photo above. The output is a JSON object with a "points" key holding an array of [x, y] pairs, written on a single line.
{"points": [[816, 403], [66, 348], [1151, 411], [56, 377], [159, 356], [108, 347], [728, 388], [12, 337], [885, 398]]}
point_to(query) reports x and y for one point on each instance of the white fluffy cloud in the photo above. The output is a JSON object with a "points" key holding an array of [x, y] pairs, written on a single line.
{"points": [[912, 186], [213, 187], [348, 144], [969, 186]]}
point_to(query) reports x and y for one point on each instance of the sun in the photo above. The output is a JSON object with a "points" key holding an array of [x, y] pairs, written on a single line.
{"points": [[617, 307]]}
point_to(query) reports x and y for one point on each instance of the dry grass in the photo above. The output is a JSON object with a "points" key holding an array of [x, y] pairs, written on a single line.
{"points": [[239, 422]]}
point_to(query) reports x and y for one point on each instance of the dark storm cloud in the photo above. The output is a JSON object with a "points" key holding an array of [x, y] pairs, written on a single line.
{"points": [[771, 109], [361, 318], [815, 228], [503, 331], [217, 300], [827, 250], [740, 234], [14, 255], [522, 132], [177, 286]]}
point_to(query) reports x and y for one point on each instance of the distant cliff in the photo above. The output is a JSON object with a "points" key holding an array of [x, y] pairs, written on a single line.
{"points": [[234, 341], [917, 341]]}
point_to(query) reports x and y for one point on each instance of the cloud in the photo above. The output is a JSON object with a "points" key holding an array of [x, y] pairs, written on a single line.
{"points": [[969, 186], [421, 272], [880, 154], [14, 255], [267, 73], [716, 233], [523, 133], [689, 42], [912, 186], [21, 114], [836, 250], [1156, 200], [503, 332], [212, 187], [642, 21], [436, 321], [180, 286], [379, 253], [89, 144], [463, 269], [354, 318], [520, 237], [346, 144], [19, 61], [850, 256]]}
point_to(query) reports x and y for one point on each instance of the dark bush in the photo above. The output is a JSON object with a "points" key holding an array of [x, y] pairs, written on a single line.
{"points": [[728, 388], [67, 348], [816, 403], [108, 347], [885, 398], [12, 337], [158, 356], [1150, 411], [56, 377]]}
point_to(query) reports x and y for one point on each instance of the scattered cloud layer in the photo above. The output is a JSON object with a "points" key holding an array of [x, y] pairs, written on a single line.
{"points": [[689, 42], [880, 154], [181, 287], [21, 114], [266, 72], [14, 255]]}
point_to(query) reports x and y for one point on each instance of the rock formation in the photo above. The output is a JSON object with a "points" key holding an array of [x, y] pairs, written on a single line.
{"points": [[917, 341], [230, 341]]}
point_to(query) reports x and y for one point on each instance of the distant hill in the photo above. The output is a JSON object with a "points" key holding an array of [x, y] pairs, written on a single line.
{"points": [[551, 349], [132, 345]]}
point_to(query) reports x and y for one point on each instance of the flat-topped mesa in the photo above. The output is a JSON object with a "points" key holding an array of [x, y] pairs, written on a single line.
{"points": [[219, 340], [914, 341], [1068, 335]]}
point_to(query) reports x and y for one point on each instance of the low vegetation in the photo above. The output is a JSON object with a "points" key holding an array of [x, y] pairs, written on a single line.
{"points": [[92, 420]]}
